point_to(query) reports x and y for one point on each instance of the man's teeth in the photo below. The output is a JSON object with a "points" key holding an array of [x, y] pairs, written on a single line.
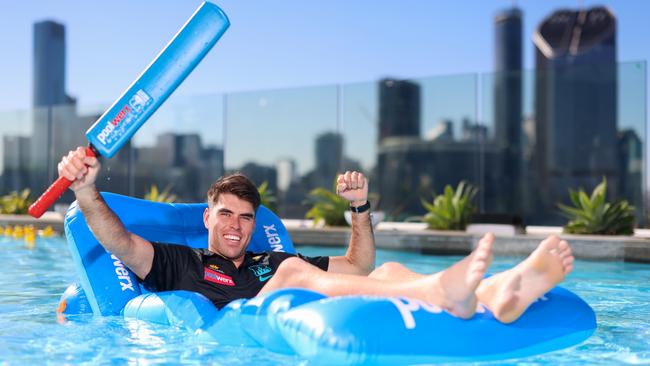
{"points": [[231, 237]]}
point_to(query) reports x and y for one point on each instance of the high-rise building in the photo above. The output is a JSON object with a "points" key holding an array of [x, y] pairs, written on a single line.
{"points": [[49, 64], [287, 173], [508, 80], [575, 106], [508, 105], [399, 109], [399, 127], [329, 159], [260, 173], [213, 166], [412, 169], [48, 92], [178, 162], [180, 150]]}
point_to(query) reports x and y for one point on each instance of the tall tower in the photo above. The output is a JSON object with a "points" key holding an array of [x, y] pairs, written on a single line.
{"points": [[399, 109], [508, 106], [49, 64], [399, 129], [329, 159], [575, 106], [49, 91]]}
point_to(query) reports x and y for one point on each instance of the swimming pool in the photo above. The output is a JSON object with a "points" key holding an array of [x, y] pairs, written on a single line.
{"points": [[33, 280]]}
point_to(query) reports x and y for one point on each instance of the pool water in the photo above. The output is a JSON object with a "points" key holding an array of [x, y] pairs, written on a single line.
{"points": [[32, 281]]}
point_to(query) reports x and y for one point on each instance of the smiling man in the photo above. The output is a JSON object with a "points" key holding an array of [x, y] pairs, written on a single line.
{"points": [[226, 271]]}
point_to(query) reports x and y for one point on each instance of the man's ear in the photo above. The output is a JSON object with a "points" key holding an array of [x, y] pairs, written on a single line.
{"points": [[206, 216]]}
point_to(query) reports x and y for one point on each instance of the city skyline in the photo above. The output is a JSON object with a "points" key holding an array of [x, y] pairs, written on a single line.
{"points": [[413, 124], [264, 50]]}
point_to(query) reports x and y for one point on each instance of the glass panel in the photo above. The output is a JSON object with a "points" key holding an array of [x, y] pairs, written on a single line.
{"points": [[632, 142], [428, 138], [537, 134], [180, 149], [579, 123], [21, 168], [359, 110], [288, 138], [503, 112], [67, 133]]}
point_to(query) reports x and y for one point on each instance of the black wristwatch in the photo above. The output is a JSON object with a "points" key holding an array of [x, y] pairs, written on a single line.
{"points": [[359, 209]]}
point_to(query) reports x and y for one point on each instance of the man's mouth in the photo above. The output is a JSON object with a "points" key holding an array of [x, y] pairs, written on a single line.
{"points": [[232, 237]]}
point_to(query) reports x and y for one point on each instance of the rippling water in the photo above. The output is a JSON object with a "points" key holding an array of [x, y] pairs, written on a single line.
{"points": [[32, 280]]}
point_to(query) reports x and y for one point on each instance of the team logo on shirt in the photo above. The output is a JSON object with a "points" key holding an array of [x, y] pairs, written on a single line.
{"points": [[214, 267], [262, 272], [222, 279]]}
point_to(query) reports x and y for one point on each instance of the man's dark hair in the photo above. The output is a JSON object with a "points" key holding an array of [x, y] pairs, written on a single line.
{"points": [[237, 184]]}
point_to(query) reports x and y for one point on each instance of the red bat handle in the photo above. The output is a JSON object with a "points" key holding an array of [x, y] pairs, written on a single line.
{"points": [[53, 193]]}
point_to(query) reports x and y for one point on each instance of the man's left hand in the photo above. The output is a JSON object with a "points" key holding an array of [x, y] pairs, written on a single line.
{"points": [[353, 186]]}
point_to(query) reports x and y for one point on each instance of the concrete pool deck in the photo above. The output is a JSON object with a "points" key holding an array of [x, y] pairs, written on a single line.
{"points": [[415, 237]]}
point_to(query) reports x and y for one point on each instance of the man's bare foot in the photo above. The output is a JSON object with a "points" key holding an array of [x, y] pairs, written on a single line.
{"points": [[508, 294], [458, 283]]}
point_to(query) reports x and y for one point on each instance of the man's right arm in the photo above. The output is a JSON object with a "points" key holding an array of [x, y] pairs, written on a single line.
{"points": [[134, 251]]}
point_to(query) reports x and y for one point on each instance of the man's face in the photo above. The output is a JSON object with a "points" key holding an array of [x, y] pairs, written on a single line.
{"points": [[230, 223]]}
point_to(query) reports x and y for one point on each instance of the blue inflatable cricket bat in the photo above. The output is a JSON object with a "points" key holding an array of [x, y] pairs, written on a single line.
{"points": [[140, 100]]}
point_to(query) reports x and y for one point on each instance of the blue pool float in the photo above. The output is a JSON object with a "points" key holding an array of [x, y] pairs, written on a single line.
{"points": [[342, 330]]}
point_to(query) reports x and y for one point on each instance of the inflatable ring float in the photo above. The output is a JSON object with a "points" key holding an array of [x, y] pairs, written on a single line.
{"points": [[343, 330]]}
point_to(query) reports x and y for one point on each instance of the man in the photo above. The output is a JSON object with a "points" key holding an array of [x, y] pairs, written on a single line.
{"points": [[226, 271]]}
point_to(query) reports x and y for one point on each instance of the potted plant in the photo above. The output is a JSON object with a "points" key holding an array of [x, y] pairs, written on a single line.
{"points": [[452, 209], [327, 207], [157, 196], [594, 215], [267, 197], [15, 203]]}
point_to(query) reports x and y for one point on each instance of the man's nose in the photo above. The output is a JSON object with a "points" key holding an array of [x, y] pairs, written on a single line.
{"points": [[234, 223]]}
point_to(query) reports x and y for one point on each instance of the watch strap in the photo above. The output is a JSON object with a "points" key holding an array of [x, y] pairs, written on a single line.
{"points": [[359, 209]]}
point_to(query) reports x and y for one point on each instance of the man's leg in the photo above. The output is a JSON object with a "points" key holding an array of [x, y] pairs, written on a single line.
{"points": [[395, 271], [452, 289], [508, 294]]}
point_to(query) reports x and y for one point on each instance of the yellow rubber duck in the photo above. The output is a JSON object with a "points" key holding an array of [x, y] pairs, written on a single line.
{"points": [[30, 240], [47, 232], [18, 231]]}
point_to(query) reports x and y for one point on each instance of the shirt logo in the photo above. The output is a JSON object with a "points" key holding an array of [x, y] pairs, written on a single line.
{"points": [[214, 267], [264, 278], [260, 271], [222, 279]]}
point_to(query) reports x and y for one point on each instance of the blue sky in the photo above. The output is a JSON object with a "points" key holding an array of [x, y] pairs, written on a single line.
{"points": [[279, 44]]}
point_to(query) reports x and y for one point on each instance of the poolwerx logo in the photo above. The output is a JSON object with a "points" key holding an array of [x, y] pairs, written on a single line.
{"points": [[122, 274], [110, 126], [273, 238]]}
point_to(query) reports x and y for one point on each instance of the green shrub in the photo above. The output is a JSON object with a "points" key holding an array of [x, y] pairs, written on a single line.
{"points": [[156, 196], [593, 215], [327, 207], [266, 195], [452, 209], [15, 203]]}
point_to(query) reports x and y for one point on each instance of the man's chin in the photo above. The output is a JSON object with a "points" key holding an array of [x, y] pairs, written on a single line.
{"points": [[234, 255]]}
